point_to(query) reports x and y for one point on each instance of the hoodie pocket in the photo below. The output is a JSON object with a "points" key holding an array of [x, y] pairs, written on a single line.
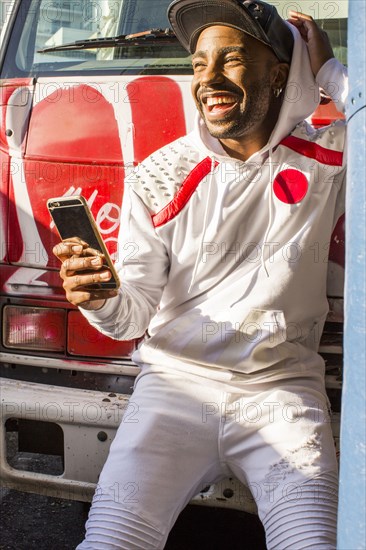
{"points": [[245, 345], [254, 344], [265, 326]]}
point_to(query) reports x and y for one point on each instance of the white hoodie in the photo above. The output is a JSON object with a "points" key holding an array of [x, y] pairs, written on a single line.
{"points": [[224, 262]]}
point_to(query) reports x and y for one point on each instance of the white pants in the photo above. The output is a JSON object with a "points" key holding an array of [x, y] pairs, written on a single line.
{"points": [[180, 435]]}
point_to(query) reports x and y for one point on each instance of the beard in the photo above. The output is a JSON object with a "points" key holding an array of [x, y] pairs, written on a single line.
{"points": [[253, 112]]}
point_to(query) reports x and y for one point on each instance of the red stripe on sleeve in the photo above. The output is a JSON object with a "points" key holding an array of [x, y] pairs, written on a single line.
{"points": [[185, 192], [313, 151]]}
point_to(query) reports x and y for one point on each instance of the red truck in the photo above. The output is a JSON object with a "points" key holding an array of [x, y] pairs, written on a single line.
{"points": [[88, 90]]}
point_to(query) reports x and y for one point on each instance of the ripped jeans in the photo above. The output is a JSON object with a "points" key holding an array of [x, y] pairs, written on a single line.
{"points": [[185, 434]]}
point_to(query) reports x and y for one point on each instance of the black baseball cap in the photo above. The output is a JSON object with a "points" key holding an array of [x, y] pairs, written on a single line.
{"points": [[258, 19]]}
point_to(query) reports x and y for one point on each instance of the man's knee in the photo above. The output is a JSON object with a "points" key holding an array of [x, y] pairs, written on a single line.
{"points": [[111, 526], [306, 516]]}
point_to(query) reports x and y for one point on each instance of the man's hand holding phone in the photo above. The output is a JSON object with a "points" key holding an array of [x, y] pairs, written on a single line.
{"points": [[82, 271], [88, 274]]}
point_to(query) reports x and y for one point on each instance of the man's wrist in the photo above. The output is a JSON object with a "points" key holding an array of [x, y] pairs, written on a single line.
{"points": [[94, 305]]}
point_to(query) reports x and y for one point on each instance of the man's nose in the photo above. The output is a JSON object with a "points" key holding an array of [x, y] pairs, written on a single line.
{"points": [[212, 74]]}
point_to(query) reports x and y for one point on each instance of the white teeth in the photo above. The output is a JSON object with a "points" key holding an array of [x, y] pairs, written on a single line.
{"points": [[219, 100]]}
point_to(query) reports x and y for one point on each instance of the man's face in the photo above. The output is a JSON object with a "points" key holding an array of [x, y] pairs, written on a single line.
{"points": [[232, 82]]}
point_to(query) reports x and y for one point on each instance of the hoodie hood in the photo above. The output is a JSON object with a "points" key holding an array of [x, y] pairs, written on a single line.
{"points": [[300, 101], [300, 97]]}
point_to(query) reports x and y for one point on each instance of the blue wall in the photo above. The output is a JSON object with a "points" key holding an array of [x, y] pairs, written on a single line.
{"points": [[352, 509]]}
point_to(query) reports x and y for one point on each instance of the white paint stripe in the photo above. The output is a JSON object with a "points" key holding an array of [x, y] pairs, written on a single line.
{"points": [[116, 95], [25, 276], [25, 216]]}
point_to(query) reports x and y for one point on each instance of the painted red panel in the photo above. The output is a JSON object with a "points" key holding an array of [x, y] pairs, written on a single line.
{"points": [[7, 88], [24, 281], [157, 113], [6, 272], [102, 186], [14, 235], [85, 340], [4, 189], [326, 114], [74, 124]]}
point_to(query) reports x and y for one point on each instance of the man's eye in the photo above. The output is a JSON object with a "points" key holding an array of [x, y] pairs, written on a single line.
{"points": [[233, 60], [198, 65]]}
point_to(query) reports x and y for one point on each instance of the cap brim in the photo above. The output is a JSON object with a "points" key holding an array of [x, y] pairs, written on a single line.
{"points": [[189, 18]]}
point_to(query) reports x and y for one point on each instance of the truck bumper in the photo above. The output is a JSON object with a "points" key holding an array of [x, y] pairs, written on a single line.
{"points": [[89, 420]]}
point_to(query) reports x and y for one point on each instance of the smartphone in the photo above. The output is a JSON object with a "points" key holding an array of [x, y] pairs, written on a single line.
{"points": [[73, 218]]}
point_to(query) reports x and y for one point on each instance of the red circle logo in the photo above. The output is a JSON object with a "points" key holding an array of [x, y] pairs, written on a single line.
{"points": [[290, 186]]}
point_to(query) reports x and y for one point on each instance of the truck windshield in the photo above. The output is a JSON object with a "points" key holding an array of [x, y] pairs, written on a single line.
{"points": [[42, 28]]}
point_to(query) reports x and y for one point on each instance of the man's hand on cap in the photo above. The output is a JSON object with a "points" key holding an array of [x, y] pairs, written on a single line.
{"points": [[317, 41]]}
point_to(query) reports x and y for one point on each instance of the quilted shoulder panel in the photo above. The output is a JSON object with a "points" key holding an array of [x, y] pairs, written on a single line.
{"points": [[159, 177]]}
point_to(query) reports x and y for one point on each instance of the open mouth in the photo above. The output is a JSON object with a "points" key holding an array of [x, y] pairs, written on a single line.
{"points": [[219, 105]]}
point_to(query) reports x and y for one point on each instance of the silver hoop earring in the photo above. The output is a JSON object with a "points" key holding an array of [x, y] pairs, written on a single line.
{"points": [[277, 92]]}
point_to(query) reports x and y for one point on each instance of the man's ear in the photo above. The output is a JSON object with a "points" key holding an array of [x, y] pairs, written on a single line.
{"points": [[280, 75]]}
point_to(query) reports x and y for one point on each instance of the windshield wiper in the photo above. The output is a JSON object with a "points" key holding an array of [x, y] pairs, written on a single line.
{"points": [[136, 39]]}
